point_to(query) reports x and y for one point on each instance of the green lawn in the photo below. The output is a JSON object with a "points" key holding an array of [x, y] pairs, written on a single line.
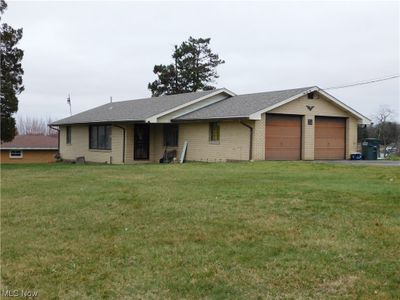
{"points": [[394, 156], [217, 231]]}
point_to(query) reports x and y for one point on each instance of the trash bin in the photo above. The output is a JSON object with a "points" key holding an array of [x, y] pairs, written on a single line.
{"points": [[370, 148]]}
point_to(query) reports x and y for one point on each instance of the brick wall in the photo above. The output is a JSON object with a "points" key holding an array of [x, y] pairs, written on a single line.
{"points": [[80, 145], [321, 107], [233, 145], [259, 139], [29, 156]]}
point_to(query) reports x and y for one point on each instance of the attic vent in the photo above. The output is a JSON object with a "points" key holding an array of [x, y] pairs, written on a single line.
{"points": [[312, 95]]}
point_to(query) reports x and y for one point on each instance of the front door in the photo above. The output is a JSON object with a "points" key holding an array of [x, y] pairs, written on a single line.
{"points": [[141, 142]]}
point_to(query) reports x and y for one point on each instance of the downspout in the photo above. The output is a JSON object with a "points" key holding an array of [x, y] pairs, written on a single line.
{"points": [[251, 139], [58, 136], [123, 143]]}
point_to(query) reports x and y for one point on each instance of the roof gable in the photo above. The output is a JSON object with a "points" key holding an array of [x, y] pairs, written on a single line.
{"points": [[327, 97], [361, 117], [242, 106], [252, 106], [196, 104]]}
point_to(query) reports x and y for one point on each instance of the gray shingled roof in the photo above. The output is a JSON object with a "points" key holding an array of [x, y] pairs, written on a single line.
{"points": [[32, 142], [241, 105], [131, 110]]}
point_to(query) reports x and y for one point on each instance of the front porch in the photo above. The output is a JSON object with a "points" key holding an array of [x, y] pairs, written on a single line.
{"points": [[128, 143], [147, 142], [144, 142]]}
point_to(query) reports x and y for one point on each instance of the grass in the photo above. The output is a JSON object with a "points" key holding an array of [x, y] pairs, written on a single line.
{"points": [[394, 156], [216, 231]]}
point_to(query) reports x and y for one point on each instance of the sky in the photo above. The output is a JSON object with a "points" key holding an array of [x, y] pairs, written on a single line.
{"points": [[97, 49]]}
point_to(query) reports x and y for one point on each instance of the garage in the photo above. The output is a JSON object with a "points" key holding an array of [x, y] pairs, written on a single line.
{"points": [[330, 138], [283, 137]]}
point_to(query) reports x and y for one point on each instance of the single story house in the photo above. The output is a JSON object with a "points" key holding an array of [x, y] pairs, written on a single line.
{"points": [[30, 149], [218, 125]]}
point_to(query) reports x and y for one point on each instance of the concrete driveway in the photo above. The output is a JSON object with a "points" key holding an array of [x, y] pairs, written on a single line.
{"points": [[379, 162]]}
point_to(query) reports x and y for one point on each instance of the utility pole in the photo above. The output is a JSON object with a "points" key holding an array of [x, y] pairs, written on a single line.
{"points": [[69, 103]]}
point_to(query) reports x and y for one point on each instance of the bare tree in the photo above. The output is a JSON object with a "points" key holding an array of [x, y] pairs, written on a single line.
{"points": [[50, 131], [386, 130], [34, 126], [384, 114]]}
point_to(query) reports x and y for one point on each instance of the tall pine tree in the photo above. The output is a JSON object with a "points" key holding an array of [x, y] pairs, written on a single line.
{"points": [[194, 69], [11, 76]]}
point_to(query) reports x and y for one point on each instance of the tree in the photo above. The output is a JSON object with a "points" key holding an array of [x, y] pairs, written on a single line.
{"points": [[363, 132], [386, 128], [167, 83], [35, 126], [11, 76], [193, 69]]}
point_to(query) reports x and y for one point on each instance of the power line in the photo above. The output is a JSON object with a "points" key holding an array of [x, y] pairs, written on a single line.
{"points": [[362, 82]]}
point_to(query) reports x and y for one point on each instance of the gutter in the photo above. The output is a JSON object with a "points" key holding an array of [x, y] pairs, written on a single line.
{"points": [[123, 142], [209, 119], [107, 122], [27, 148], [251, 139]]}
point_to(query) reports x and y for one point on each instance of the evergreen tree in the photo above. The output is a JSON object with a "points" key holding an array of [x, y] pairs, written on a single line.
{"points": [[194, 69], [11, 76]]}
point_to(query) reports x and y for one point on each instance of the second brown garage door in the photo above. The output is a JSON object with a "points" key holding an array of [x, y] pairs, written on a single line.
{"points": [[330, 138], [283, 137]]}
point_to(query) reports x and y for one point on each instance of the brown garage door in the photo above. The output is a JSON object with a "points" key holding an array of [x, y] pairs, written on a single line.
{"points": [[330, 138], [283, 137]]}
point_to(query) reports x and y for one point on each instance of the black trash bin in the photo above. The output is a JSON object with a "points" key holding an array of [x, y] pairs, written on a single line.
{"points": [[370, 148]]}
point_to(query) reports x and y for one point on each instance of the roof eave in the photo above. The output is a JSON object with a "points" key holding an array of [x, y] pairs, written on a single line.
{"points": [[98, 122], [361, 118], [26, 148], [210, 119]]}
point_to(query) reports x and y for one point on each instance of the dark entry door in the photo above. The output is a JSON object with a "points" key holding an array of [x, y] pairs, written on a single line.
{"points": [[141, 142]]}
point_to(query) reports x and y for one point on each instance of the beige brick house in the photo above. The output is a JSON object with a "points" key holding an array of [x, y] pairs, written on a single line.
{"points": [[297, 124]]}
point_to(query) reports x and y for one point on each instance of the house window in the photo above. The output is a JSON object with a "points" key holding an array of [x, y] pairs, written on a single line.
{"points": [[15, 154], [69, 135], [171, 135], [100, 137], [214, 132]]}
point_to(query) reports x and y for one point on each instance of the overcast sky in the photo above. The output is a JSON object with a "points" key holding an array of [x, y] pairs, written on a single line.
{"points": [[95, 50]]}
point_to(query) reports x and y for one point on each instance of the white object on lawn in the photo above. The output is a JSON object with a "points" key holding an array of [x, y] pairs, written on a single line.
{"points": [[183, 154]]}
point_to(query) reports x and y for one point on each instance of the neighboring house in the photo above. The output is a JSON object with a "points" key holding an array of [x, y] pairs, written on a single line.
{"points": [[30, 149], [304, 123]]}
